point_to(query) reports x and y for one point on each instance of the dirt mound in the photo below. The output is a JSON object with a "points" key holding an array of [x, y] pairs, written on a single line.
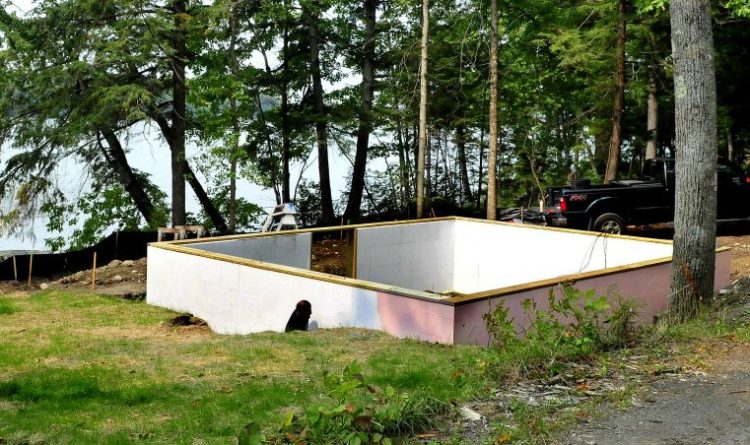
{"points": [[126, 279], [185, 320]]}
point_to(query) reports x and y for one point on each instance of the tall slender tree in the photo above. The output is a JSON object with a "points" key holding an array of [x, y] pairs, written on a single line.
{"points": [[311, 14], [179, 110], [364, 127], [492, 153], [652, 117], [615, 140], [422, 147]]}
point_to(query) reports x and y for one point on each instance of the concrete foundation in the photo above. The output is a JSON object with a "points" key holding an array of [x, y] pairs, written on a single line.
{"points": [[429, 279]]}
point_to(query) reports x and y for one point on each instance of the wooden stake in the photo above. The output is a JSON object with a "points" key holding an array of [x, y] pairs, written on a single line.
{"points": [[93, 273], [31, 265], [15, 269]]}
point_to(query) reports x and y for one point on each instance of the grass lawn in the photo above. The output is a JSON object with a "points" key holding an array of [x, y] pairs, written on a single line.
{"points": [[79, 368]]}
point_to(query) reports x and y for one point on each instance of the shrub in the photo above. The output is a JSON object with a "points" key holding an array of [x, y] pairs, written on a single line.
{"points": [[574, 326]]}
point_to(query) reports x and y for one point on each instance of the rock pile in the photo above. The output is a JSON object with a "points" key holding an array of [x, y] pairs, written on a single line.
{"points": [[116, 272]]}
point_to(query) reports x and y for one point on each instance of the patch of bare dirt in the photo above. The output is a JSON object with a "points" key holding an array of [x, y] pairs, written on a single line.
{"points": [[124, 279], [687, 409], [704, 404], [329, 256], [185, 320], [740, 245]]}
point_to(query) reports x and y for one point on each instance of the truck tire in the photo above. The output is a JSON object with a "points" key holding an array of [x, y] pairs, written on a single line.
{"points": [[609, 223]]}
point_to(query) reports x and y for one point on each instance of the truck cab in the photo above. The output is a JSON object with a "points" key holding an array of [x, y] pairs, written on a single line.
{"points": [[647, 202]]}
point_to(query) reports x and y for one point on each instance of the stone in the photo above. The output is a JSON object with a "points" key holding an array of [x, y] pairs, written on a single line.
{"points": [[469, 414], [116, 279], [114, 263], [128, 263], [44, 286]]}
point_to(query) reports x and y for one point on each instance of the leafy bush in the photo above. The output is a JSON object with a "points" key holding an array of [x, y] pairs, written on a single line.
{"points": [[358, 414], [575, 325]]}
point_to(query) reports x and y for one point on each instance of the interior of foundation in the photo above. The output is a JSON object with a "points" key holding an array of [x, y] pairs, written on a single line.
{"points": [[444, 257]]}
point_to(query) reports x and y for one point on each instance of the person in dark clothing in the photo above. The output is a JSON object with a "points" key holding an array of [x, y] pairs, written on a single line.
{"points": [[300, 317]]}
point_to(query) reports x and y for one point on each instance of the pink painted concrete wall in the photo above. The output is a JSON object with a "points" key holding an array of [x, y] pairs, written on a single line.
{"points": [[648, 285], [407, 317]]}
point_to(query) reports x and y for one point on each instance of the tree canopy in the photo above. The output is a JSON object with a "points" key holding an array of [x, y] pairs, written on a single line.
{"points": [[261, 87]]}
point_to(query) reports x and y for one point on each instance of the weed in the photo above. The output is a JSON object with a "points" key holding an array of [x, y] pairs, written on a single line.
{"points": [[357, 413], [575, 325]]}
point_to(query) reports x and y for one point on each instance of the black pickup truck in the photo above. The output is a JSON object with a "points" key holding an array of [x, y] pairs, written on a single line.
{"points": [[640, 203]]}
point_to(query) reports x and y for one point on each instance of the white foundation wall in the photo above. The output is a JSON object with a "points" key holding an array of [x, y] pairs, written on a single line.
{"points": [[492, 256], [414, 256], [238, 299], [288, 250]]}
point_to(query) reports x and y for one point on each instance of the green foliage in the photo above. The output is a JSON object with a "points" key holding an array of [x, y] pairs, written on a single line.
{"points": [[308, 204], [104, 208], [74, 68], [574, 325], [248, 215], [359, 413], [740, 8]]}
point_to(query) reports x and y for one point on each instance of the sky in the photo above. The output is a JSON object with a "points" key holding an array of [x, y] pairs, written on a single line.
{"points": [[148, 153]]}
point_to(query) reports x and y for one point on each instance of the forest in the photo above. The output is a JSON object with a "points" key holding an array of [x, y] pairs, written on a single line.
{"points": [[584, 89]]}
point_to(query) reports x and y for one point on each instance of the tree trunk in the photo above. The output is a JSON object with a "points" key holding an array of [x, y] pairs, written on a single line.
{"points": [[615, 140], [365, 113], [118, 161], [730, 146], [178, 113], [492, 154], [481, 167], [403, 165], [269, 145], [652, 115], [213, 213], [321, 131], [235, 124], [286, 141], [692, 278], [422, 148], [428, 168], [462, 163]]}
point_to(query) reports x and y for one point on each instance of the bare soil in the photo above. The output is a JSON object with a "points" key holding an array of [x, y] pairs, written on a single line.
{"points": [[329, 256], [125, 279], [708, 405], [740, 245]]}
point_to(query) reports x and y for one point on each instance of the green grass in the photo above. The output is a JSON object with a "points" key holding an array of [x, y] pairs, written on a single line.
{"points": [[81, 368], [6, 306]]}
